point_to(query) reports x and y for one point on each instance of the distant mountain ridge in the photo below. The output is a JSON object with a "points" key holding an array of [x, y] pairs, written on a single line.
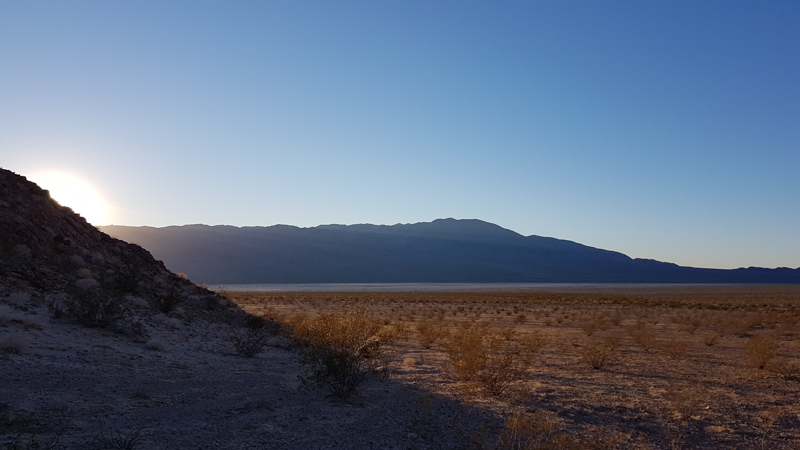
{"points": [[444, 250]]}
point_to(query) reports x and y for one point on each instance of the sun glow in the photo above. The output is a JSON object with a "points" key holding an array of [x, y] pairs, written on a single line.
{"points": [[75, 193]]}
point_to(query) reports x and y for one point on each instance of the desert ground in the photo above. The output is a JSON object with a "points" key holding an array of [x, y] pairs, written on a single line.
{"points": [[616, 367], [634, 367]]}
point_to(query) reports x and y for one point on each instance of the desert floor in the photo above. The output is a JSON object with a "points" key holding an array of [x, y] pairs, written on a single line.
{"points": [[681, 367], [686, 366]]}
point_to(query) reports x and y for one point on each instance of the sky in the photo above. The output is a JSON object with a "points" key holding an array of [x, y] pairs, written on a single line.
{"points": [[662, 129]]}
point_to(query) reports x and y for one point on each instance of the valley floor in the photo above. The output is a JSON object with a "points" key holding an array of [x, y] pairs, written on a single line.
{"points": [[679, 375], [688, 366]]}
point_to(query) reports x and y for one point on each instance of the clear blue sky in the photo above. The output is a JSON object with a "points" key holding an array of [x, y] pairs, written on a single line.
{"points": [[666, 130]]}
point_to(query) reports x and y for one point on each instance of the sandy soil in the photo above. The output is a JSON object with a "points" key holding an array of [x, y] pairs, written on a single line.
{"points": [[684, 381], [184, 387], [75, 387]]}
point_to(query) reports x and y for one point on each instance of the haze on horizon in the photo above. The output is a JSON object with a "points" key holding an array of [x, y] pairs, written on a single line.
{"points": [[660, 130]]}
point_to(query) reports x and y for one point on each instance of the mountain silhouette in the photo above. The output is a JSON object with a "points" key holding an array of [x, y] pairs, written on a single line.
{"points": [[444, 250]]}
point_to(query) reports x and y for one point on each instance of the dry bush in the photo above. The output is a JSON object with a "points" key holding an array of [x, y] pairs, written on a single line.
{"points": [[93, 308], [542, 430], [684, 399], [742, 325], [429, 332], [491, 358], [395, 331], [539, 430], [788, 370], [760, 349], [249, 342], [642, 335], [340, 349], [674, 349], [711, 339], [15, 343], [600, 355], [590, 327], [166, 301]]}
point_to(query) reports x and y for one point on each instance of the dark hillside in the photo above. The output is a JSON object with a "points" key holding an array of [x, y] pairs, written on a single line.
{"points": [[48, 249]]}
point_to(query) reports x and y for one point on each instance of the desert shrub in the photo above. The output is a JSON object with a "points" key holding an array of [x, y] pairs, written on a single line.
{"points": [[760, 349], [255, 322], [675, 349], [788, 370], [166, 301], [340, 349], [396, 331], [589, 327], [684, 399], [600, 355], [642, 335], [121, 439], [710, 339], [249, 342], [92, 308], [690, 323], [539, 430], [14, 343], [493, 359], [126, 279], [429, 332]]}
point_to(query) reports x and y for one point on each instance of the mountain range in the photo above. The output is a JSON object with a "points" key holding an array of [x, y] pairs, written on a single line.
{"points": [[444, 250]]}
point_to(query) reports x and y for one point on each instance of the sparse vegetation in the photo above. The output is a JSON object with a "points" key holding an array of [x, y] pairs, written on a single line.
{"points": [[599, 355], [761, 349], [492, 358], [671, 393], [430, 332], [121, 439], [249, 342], [90, 307], [167, 300], [341, 349]]}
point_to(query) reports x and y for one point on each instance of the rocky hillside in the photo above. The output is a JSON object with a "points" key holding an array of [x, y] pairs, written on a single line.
{"points": [[46, 248]]}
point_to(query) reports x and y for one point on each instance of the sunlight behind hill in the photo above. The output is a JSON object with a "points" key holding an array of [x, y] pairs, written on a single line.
{"points": [[76, 193]]}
